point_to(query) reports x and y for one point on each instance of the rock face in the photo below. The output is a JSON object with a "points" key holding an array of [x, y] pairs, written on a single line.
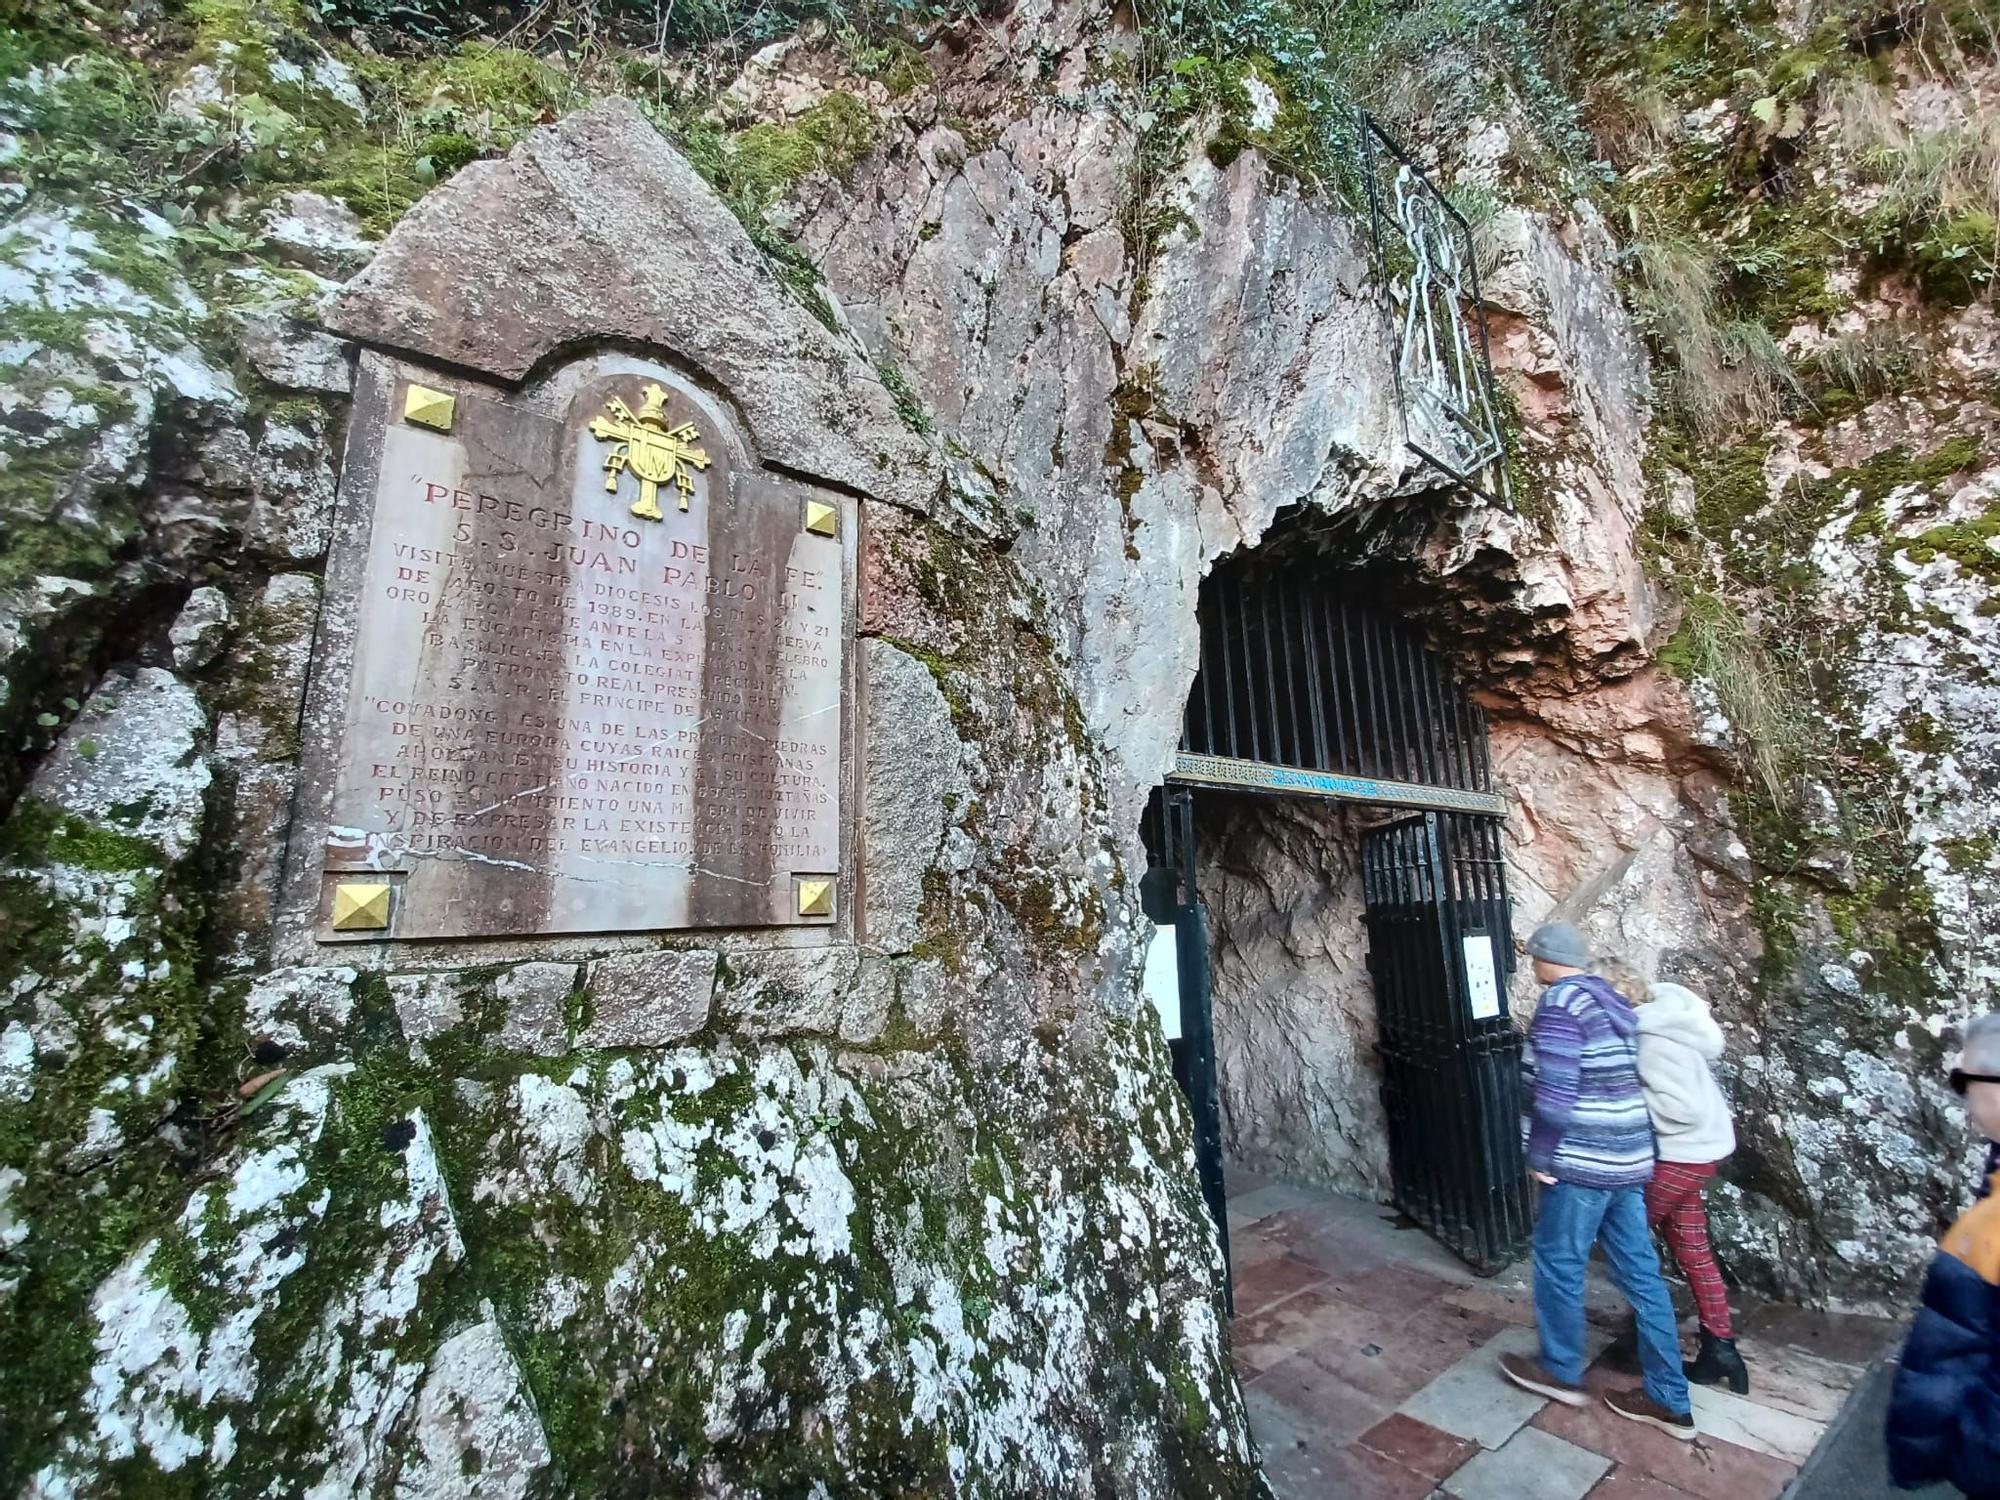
{"points": [[903, 1207], [1294, 1006], [147, 730], [600, 1217]]}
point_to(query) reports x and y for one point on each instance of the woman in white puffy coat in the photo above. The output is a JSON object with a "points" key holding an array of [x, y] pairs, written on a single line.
{"points": [[1678, 1044]]}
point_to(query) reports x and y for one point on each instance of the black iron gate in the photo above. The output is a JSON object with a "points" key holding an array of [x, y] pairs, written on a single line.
{"points": [[1440, 948], [1307, 690]]}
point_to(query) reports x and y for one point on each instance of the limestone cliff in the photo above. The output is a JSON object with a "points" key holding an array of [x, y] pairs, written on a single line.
{"points": [[1086, 305]]}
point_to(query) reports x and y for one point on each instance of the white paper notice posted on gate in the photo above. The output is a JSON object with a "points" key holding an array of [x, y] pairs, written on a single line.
{"points": [[1163, 979], [1482, 977]]}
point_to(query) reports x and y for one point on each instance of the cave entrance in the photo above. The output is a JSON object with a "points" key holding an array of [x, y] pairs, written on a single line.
{"points": [[1325, 865]]}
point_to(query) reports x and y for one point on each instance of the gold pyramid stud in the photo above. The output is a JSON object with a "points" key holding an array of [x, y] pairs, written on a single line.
{"points": [[360, 908], [822, 519], [815, 896], [429, 408]]}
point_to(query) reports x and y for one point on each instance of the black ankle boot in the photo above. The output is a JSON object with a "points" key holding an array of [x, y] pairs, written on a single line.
{"points": [[1718, 1361]]}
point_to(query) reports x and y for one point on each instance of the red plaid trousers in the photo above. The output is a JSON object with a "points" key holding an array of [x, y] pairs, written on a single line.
{"points": [[1675, 1209]]}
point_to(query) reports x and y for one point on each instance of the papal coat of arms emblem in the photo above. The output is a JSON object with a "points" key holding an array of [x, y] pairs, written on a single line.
{"points": [[655, 453]]}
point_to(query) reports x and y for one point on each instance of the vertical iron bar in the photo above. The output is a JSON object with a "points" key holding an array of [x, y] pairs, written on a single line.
{"points": [[1495, 1214], [1196, 688], [1427, 767], [1273, 649], [1465, 730], [1277, 651], [1315, 668], [1394, 641], [1451, 1033], [1379, 738], [1417, 983], [1274, 723], [1477, 1133], [1499, 858], [1288, 640], [1464, 1144], [1392, 991], [1439, 772], [1387, 689], [1351, 686], [1437, 1041], [1249, 674], [1228, 667], [1196, 1064], [1202, 743], [1395, 967], [1336, 686], [1396, 679], [1376, 742], [1510, 1169], [1336, 689], [1452, 711], [1416, 1028], [1425, 713]]}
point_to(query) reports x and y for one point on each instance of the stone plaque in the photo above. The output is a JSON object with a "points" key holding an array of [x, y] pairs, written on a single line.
{"points": [[597, 667]]}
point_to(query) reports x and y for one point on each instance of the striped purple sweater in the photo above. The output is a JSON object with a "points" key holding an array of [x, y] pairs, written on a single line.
{"points": [[1589, 1123]]}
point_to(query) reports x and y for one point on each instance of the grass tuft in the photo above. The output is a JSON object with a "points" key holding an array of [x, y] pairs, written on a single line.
{"points": [[1938, 178], [1769, 708], [1728, 372]]}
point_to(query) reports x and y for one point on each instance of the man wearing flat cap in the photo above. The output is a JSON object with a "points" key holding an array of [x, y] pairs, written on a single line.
{"points": [[1590, 1145]]}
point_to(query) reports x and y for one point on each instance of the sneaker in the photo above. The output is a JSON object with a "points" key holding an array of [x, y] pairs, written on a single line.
{"points": [[1530, 1376], [1637, 1406]]}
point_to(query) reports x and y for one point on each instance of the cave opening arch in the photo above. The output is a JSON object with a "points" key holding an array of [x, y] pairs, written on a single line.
{"points": [[1325, 869]]}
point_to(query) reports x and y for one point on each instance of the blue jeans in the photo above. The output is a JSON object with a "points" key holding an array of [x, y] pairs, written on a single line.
{"points": [[1571, 1219]]}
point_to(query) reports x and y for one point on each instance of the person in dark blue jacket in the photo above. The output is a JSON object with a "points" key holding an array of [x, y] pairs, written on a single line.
{"points": [[1944, 1413]]}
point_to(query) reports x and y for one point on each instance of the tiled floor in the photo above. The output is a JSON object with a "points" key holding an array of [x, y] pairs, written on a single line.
{"points": [[1367, 1353]]}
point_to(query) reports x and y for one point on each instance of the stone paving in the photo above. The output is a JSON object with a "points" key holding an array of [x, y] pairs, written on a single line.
{"points": [[1368, 1351]]}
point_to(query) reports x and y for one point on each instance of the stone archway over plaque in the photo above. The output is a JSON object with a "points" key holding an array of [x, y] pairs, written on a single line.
{"points": [[594, 665]]}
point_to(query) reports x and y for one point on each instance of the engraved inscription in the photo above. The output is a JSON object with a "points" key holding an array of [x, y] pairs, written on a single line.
{"points": [[563, 718]]}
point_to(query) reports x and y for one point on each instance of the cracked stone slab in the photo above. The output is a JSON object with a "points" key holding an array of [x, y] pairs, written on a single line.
{"points": [[427, 1005], [649, 999], [476, 1432], [536, 998], [300, 1007], [1532, 1466], [790, 991], [319, 233], [865, 1011], [200, 629]]}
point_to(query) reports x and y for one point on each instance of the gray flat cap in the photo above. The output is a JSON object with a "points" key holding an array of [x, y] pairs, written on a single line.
{"points": [[1560, 943]]}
